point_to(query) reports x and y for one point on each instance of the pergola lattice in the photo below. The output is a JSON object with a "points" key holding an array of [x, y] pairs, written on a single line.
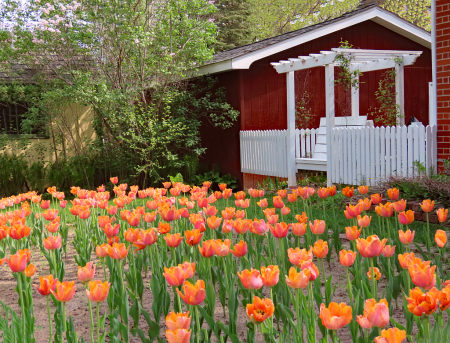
{"points": [[364, 61]]}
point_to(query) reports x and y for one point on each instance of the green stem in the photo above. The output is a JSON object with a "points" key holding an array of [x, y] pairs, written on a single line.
{"points": [[312, 314], [374, 282], [428, 236], [49, 321], [92, 320], [323, 272], [64, 317], [333, 336], [299, 319], [197, 322], [426, 328], [98, 322], [349, 287], [22, 301]]}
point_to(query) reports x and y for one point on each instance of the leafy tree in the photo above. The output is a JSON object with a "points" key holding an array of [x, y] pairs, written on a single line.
{"points": [[233, 22], [274, 17], [415, 11], [127, 59]]}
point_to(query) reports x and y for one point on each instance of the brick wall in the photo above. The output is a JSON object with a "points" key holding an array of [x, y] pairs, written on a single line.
{"points": [[443, 77]]}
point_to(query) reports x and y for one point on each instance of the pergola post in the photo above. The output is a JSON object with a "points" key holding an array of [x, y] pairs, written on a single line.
{"points": [[290, 141], [329, 109], [400, 90], [355, 98]]}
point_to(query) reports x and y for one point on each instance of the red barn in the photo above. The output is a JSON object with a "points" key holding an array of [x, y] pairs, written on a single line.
{"points": [[259, 93]]}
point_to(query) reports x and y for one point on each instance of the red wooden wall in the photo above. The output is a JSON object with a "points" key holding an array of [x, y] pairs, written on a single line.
{"points": [[259, 93]]}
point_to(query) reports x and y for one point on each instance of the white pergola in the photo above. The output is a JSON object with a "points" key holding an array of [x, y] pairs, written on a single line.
{"points": [[364, 61]]}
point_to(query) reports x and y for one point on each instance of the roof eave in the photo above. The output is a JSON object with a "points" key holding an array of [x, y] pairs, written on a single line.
{"points": [[377, 14]]}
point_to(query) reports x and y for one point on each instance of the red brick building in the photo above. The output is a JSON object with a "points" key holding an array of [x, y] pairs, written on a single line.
{"points": [[443, 77]]}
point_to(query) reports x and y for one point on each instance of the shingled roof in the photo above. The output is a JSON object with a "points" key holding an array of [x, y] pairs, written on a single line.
{"points": [[363, 8]]}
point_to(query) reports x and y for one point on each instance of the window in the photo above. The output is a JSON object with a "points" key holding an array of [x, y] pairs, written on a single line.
{"points": [[11, 118]]}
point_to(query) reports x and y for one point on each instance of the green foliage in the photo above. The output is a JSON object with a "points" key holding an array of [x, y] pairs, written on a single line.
{"points": [[387, 111], [12, 174], [233, 23], [215, 178], [348, 77], [415, 11], [274, 17], [176, 178]]}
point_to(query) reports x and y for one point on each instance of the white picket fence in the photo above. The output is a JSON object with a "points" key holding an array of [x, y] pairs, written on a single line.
{"points": [[264, 152], [305, 142], [369, 155], [360, 154]]}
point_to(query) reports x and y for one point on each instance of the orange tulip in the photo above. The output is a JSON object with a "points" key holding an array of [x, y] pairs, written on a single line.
{"points": [[167, 184], [64, 291], [388, 251], [19, 231], [364, 221], [399, 206], [297, 256], [53, 226], [392, 335], [98, 291], [47, 285], [385, 210], [210, 211], [260, 310], [423, 303], [298, 229], [347, 258], [163, 228], [298, 280], [301, 218], [193, 237], [175, 321], [376, 198], [376, 274], [173, 241], [45, 204], [240, 214], [263, 203], [102, 250], [285, 211], [278, 202], [292, 197], [440, 238], [365, 204], [110, 230], [406, 259], [227, 226], [370, 247], [221, 248], [131, 235], [348, 192], [193, 294], [427, 205], [442, 215], [175, 276], [422, 274], [189, 268], [406, 237], [117, 251], [363, 189], [353, 211], [320, 249], [17, 262], [242, 226], [240, 249], [250, 279], [318, 227], [352, 232], [206, 249], [393, 193], [280, 230], [375, 314], [213, 222], [222, 186], [114, 180], [259, 227], [149, 217], [30, 270], [178, 336], [270, 275], [50, 214], [406, 218], [52, 243], [86, 273], [323, 193], [146, 238], [314, 271], [335, 316], [444, 298]]}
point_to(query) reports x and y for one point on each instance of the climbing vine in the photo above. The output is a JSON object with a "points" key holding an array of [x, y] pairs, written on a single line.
{"points": [[387, 112], [348, 77]]}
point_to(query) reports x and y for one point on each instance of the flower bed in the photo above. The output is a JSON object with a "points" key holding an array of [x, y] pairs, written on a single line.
{"points": [[220, 266]]}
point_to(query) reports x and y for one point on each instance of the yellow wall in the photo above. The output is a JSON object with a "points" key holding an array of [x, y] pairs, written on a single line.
{"points": [[74, 121]]}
